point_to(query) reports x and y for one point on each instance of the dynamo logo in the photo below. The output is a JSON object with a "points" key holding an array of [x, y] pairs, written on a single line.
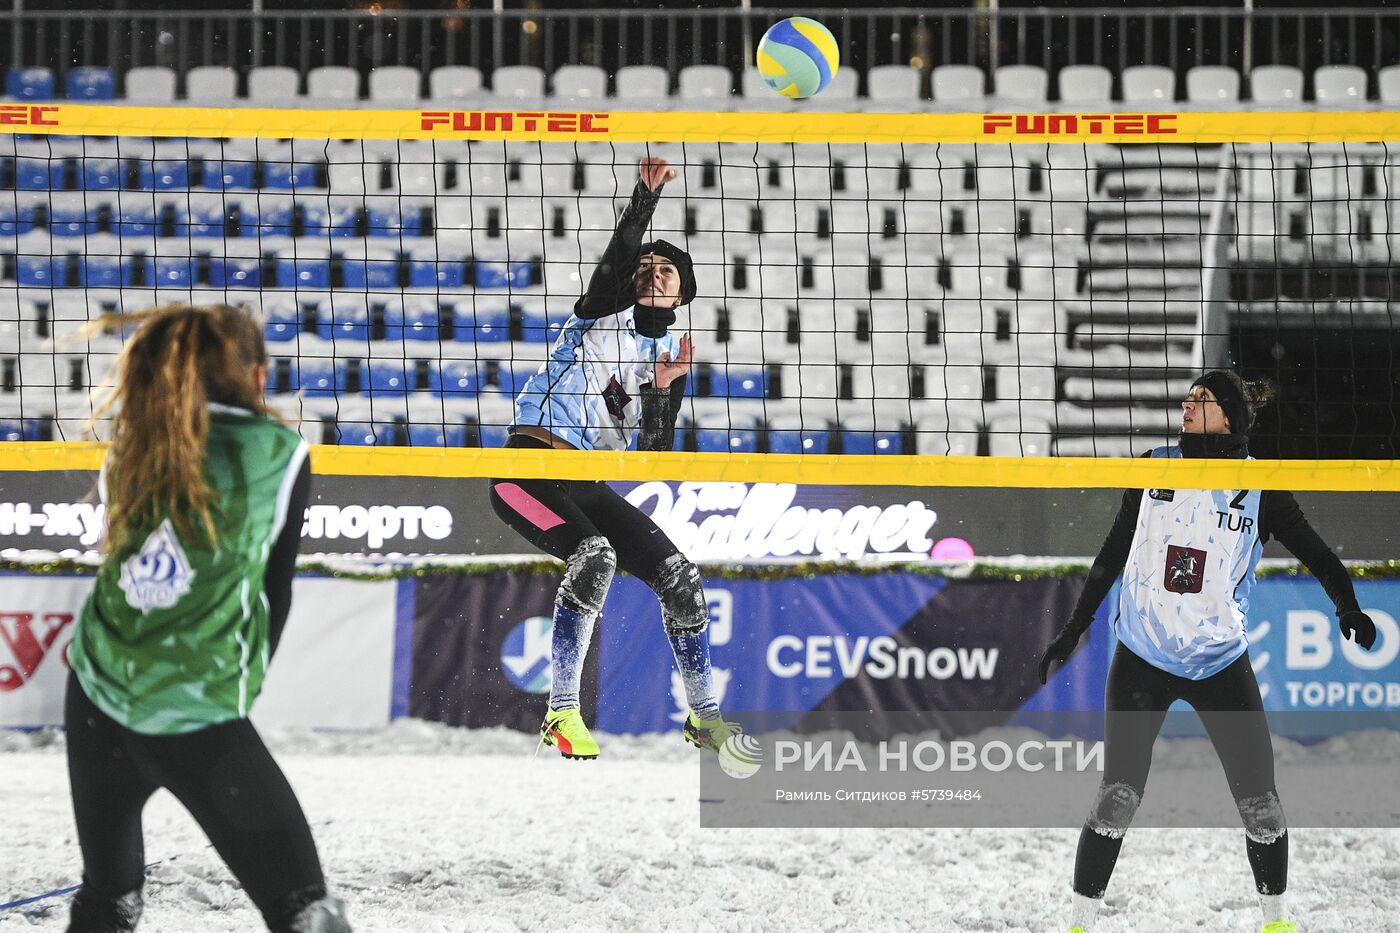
{"points": [[525, 655]]}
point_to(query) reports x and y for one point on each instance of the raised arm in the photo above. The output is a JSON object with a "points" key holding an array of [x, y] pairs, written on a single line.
{"points": [[611, 288], [662, 397]]}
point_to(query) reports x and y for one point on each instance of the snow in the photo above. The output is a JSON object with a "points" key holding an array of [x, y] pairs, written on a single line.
{"points": [[427, 828]]}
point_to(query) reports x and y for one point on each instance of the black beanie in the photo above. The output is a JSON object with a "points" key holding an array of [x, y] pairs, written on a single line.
{"points": [[681, 260], [1229, 391]]}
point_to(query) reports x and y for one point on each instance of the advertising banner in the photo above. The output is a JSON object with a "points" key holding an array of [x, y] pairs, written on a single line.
{"points": [[481, 649], [893, 641], [333, 669]]}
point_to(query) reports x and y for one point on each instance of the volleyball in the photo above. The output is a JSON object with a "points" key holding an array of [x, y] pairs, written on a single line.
{"points": [[798, 57]]}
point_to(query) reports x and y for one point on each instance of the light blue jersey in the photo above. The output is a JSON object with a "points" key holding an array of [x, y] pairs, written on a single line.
{"points": [[589, 390], [1186, 585]]}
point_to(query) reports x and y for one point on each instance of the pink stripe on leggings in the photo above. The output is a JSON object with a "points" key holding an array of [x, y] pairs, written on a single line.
{"points": [[539, 514]]}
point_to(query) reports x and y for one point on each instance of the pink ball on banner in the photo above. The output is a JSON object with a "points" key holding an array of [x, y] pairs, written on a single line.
{"points": [[952, 549]]}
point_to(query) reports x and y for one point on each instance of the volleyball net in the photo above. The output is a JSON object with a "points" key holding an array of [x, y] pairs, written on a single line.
{"points": [[961, 299]]}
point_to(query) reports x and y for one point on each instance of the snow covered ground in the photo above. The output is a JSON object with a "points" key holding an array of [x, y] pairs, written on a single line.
{"points": [[425, 828]]}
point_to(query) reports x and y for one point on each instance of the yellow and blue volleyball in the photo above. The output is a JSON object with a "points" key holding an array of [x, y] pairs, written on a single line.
{"points": [[798, 57]]}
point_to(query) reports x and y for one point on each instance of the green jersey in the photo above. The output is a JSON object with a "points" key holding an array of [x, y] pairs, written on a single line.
{"points": [[174, 636]]}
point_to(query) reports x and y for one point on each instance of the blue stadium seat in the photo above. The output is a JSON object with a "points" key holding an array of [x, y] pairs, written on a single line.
{"points": [[28, 429], [15, 220], [385, 218], [377, 272], [102, 174], [200, 219], [29, 84], [872, 442], [420, 322], [11, 430], [459, 378], [174, 272], [229, 174], [738, 383], [356, 434], [732, 440], [320, 376], [437, 435], [303, 272], [494, 435], [234, 271], [136, 218], [71, 220], [487, 325], [267, 218], [90, 83], [386, 377], [795, 441], [287, 176], [442, 272], [503, 275], [344, 219], [342, 319], [281, 322], [32, 175], [535, 327], [41, 271], [163, 174], [512, 376]]}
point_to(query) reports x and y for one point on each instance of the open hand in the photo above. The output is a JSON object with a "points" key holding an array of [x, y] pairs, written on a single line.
{"points": [[669, 370], [656, 171]]}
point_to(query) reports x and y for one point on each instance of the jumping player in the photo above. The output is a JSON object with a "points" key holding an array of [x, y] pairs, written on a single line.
{"points": [[615, 373], [1188, 560], [204, 491]]}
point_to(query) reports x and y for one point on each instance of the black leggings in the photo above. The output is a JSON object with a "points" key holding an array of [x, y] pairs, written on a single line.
{"points": [[556, 515], [1232, 711], [223, 775]]}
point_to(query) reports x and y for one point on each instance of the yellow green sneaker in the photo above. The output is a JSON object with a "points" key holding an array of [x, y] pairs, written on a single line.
{"points": [[564, 730], [1077, 930], [708, 733], [1280, 926]]}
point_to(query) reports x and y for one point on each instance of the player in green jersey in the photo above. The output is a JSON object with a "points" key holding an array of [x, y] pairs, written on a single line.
{"points": [[205, 491]]}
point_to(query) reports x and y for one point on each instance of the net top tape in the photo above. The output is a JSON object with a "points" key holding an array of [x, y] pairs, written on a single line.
{"points": [[619, 126], [816, 469]]}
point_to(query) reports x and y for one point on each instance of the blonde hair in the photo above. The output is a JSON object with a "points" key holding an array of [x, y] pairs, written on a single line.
{"points": [[179, 360]]}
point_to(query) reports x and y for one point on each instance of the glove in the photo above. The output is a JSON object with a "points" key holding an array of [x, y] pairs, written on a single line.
{"points": [[1358, 626], [1063, 646]]}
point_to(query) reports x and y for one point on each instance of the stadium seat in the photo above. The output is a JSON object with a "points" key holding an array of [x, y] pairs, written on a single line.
{"points": [[90, 83], [893, 84], [1148, 84], [1025, 83], [239, 267], [152, 85], [1085, 84], [173, 271], [705, 83], [642, 82], [361, 434], [1340, 86], [273, 84], [1018, 437], [434, 266], [873, 440], [740, 437], [450, 83], [29, 84], [1388, 84], [365, 266], [437, 435], [1212, 84], [580, 82], [460, 378], [69, 215], [421, 316], [229, 174], [395, 84], [1276, 84], [333, 83], [288, 176], [211, 84], [518, 82], [793, 434], [482, 321], [959, 84], [385, 377], [33, 174], [306, 269], [16, 219], [163, 175]]}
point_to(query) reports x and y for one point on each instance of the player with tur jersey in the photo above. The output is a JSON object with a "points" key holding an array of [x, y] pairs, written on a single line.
{"points": [[205, 492], [1187, 559], [616, 372]]}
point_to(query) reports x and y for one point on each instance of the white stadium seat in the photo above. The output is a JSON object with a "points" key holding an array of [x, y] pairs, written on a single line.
{"points": [[518, 82], [453, 83], [1212, 84], [1276, 84], [273, 84], [333, 83], [580, 82], [211, 85], [1339, 86], [705, 83], [1149, 84], [395, 84], [1025, 83], [1085, 84], [955, 84], [150, 85]]}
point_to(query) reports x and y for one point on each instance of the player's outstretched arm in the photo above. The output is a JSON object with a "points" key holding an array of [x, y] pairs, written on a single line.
{"points": [[611, 288], [661, 398]]}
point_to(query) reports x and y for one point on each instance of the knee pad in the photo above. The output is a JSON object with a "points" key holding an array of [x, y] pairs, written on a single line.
{"points": [[93, 913], [587, 575], [1263, 817], [1114, 809], [677, 586]]}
